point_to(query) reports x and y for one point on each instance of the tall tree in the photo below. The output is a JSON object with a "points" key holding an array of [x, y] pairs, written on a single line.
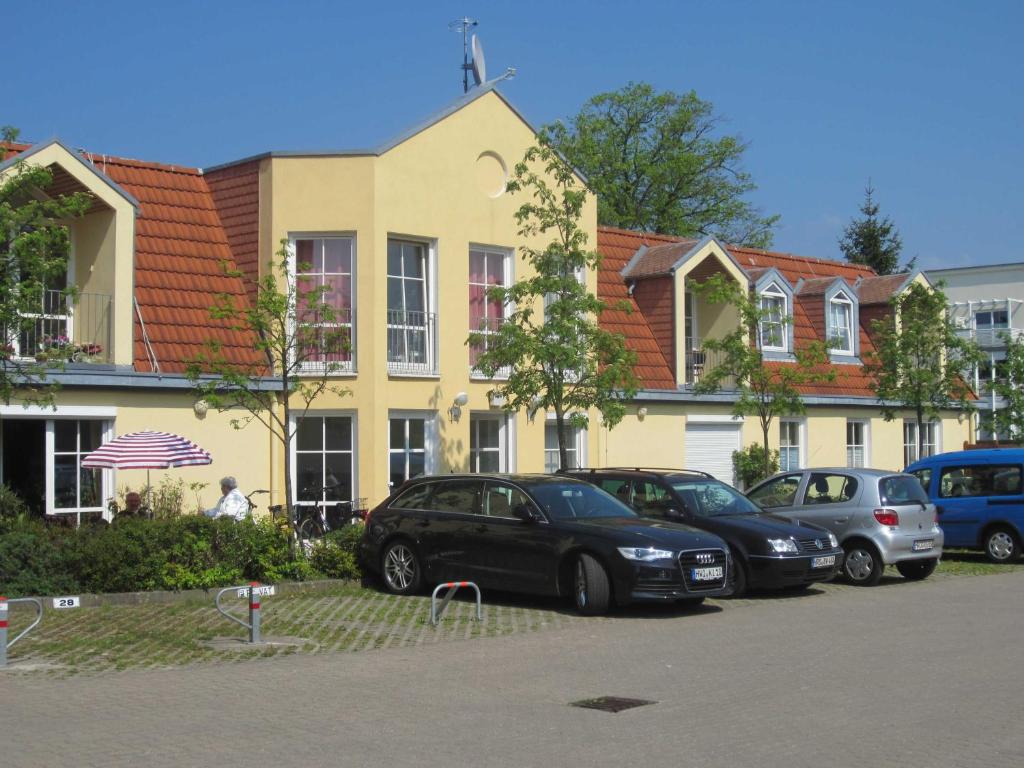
{"points": [[919, 362], [302, 340], [657, 162], [34, 248], [550, 344], [872, 240], [763, 388]]}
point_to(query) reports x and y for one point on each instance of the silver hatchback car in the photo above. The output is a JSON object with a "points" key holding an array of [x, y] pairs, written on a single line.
{"points": [[880, 518]]}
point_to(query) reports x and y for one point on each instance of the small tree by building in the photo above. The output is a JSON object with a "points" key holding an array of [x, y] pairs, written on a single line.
{"points": [[555, 354], [763, 388], [301, 342], [1007, 384], [920, 363], [34, 248], [872, 240]]}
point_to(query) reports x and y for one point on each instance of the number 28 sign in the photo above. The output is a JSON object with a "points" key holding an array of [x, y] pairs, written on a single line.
{"points": [[67, 602]]}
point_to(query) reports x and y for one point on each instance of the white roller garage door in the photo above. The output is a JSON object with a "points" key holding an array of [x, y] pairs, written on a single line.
{"points": [[709, 448]]}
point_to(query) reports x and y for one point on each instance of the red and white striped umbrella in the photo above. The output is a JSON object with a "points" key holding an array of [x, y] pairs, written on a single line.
{"points": [[147, 450]]}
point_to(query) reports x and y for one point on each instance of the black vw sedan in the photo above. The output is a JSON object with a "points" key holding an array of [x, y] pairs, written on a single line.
{"points": [[768, 551], [540, 534]]}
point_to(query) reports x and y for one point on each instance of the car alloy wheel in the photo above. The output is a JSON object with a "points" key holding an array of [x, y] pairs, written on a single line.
{"points": [[861, 566], [1001, 546], [581, 586], [401, 571]]}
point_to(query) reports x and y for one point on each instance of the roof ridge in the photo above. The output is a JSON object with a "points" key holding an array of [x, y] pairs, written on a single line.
{"points": [[797, 257]]}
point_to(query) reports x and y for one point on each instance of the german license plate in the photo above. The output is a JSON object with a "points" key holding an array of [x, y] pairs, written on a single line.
{"points": [[707, 574], [922, 544], [823, 562]]}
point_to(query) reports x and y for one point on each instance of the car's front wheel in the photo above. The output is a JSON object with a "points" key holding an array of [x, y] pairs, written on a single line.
{"points": [[591, 588], [737, 578], [1001, 545], [862, 565], [915, 570], [401, 569]]}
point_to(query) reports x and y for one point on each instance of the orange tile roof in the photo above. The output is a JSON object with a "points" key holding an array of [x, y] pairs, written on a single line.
{"points": [[617, 246], [879, 289], [180, 245]]}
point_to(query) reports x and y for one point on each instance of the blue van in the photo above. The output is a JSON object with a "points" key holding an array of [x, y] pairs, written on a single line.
{"points": [[978, 498]]}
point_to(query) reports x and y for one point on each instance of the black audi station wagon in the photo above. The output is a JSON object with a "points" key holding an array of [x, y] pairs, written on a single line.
{"points": [[540, 534], [768, 551]]}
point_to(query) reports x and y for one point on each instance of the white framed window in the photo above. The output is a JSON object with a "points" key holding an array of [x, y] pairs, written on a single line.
{"points": [[790, 445], [489, 442], [856, 443], [488, 268], [774, 308], [411, 320], [324, 458], [840, 320], [576, 448], [324, 271], [913, 448], [991, 318], [411, 445]]}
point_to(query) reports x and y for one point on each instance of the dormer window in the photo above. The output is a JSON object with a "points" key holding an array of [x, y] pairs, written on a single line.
{"points": [[840, 321], [773, 319]]}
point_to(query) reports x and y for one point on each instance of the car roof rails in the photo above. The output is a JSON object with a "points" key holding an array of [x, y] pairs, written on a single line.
{"points": [[674, 470]]}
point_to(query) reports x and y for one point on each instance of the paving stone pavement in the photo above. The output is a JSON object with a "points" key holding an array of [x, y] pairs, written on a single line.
{"points": [[910, 674]]}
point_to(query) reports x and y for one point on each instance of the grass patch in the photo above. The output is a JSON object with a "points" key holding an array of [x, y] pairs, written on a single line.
{"points": [[963, 562]]}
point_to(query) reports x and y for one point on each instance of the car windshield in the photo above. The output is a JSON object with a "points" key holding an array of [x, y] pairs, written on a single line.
{"points": [[575, 501], [901, 489], [711, 498]]}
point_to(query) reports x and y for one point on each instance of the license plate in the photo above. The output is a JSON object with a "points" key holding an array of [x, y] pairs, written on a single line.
{"points": [[922, 544], [707, 574], [823, 562]]}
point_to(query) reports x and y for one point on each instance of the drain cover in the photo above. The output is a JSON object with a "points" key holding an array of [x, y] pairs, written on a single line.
{"points": [[611, 703]]}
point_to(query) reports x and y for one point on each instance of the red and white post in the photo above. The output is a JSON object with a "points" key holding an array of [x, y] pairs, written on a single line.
{"points": [[3, 631], [254, 612]]}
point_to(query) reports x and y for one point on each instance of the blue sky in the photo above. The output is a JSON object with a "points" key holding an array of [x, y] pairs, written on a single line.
{"points": [[925, 98]]}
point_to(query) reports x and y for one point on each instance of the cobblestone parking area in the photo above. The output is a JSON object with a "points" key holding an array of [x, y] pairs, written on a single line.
{"points": [[345, 618]]}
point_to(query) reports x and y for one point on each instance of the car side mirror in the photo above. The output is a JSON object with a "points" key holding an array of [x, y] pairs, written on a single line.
{"points": [[674, 513], [524, 513]]}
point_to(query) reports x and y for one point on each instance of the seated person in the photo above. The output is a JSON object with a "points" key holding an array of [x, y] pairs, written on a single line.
{"points": [[132, 505], [232, 503]]}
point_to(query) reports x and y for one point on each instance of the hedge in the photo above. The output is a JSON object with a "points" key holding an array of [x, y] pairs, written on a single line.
{"points": [[175, 553]]}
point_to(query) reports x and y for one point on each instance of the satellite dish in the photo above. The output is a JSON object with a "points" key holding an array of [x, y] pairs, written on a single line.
{"points": [[479, 66]]}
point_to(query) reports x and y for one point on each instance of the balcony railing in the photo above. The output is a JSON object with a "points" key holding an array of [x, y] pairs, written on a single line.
{"points": [[329, 345], [487, 327], [990, 338], [412, 343], [68, 328], [700, 361]]}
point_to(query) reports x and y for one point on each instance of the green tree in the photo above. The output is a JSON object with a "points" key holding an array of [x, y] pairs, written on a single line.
{"points": [[763, 388], [34, 250], [551, 346], [919, 359], [656, 162], [872, 240], [300, 338]]}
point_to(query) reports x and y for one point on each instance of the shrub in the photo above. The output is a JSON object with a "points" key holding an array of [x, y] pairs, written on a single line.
{"points": [[11, 505], [749, 464], [31, 562], [335, 554]]}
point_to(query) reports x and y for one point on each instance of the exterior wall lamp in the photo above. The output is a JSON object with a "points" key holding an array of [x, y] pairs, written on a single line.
{"points": [[200, 407], [641, 412], [455, 412]]}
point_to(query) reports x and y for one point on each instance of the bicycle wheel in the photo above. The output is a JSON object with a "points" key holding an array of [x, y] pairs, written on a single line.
{"points": [[309, 529]]}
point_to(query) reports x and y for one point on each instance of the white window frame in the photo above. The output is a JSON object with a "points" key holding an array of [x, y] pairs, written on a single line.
{"points": [[340, 368], [845, 304], [431, 366], [910, 440], [579, 446], [865, 445], [773, 293], [801, 450], [506, 439], [293, 449], [508, 270], [430, 441]]}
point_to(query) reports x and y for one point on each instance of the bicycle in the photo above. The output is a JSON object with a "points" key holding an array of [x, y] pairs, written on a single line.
{"points": [[319, 518]]}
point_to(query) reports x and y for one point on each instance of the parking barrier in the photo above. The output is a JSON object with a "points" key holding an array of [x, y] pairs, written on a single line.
{"points": [[4, 643], [452, 587], [253, 591]]}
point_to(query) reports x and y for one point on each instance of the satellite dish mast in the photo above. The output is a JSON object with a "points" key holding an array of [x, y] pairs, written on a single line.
{"points": [[479, 65], [464, 25]]}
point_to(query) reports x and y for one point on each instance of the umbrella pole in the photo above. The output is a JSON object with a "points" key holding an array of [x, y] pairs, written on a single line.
{"points": [[149, 494]]}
